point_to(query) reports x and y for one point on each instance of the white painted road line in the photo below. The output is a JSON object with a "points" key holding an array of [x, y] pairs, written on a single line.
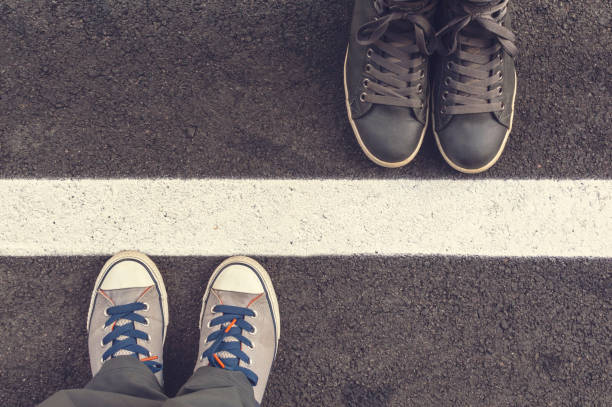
{"points": [[306, 217]]}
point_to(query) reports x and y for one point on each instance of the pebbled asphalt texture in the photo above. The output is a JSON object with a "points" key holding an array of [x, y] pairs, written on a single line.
{"points": [[228, 88], [357, 331]]}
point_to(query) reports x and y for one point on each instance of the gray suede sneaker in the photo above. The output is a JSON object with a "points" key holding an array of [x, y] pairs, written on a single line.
{"points": [[128, 313], [239, 322]]}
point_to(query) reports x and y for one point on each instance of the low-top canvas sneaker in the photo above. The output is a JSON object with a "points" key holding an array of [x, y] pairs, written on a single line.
{"points": [[239, 322], [474, 83], [128, 314], [386, 74]]}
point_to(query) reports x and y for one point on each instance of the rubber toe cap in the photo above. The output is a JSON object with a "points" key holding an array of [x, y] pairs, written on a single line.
{"points": [[127, 274], [472, 142], [390, 134], [238, 278]]}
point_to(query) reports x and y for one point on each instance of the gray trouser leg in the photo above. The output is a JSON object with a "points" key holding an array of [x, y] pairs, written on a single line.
{"points": [[122, 381], [214, 387], [126, 382]]}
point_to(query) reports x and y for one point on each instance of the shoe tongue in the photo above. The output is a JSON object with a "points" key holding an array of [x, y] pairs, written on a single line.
{"points": [[408, 2], [475, 30], [404, 27], [401, 30], [409, 5], [485, 3], [479, 5], [124, 296]]}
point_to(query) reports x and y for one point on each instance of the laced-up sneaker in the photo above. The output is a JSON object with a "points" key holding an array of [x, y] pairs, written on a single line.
{"points": [[475, 83], [386, 77], [239, 322], [128, 313]]}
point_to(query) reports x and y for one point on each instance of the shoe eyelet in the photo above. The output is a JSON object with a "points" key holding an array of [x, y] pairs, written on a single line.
{"points": [[500, 90], [212, 309], [449, 66], [443, 110], [102, 345], [146, 304], [447, 81], [445, 95], [500, 75], [146, 323], [420, 89], [208, 325], [106, 314], [251, 363], [101, 360], [362, 97], [368, 67], [421, 73], [501, 56], [366, 83], [254, 331], [503, 106], [369, 52]]}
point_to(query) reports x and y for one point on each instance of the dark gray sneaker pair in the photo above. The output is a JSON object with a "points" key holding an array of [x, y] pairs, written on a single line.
{"points": [[239, 321], [390, 61]]}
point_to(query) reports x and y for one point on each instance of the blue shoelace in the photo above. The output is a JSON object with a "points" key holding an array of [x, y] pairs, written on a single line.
{"points": [[128, 312], [234, 316]]}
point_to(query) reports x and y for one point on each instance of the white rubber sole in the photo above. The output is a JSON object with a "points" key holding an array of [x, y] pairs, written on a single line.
{"points": [[497, 156], [367, 152], [126, 255], [265, 279]]}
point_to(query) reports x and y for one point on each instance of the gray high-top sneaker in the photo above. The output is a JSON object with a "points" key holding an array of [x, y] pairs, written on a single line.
{"points": [[386, 73], [474, 83], [128, 313], [239, 322]]}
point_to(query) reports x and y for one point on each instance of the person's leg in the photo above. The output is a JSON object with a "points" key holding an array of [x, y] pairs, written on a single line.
{"points": [[213, 387], [127, 322], [122, 381], [239, 332]]}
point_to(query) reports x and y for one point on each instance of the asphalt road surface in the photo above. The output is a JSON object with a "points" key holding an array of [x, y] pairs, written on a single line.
{"points": [[253, 89]]}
